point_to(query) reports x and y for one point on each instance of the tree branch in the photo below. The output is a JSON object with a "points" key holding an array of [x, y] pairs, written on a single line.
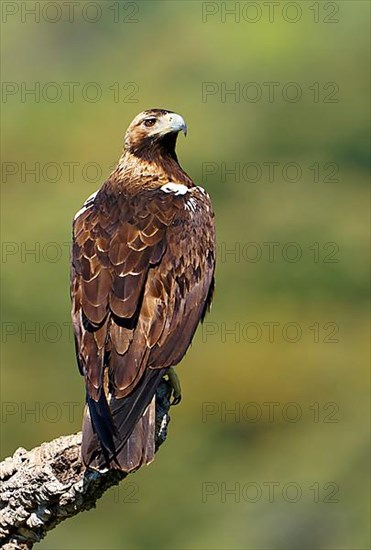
{"points": [[44, 486]]}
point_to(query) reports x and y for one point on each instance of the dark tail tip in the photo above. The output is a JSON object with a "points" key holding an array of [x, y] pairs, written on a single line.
{"points": [[108, 426]]}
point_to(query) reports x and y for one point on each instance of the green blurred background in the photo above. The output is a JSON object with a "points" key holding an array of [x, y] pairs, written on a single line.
{"points": [[167, 55]]}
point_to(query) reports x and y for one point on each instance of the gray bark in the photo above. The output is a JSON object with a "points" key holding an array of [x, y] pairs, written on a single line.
{"points": [[44, 486]]}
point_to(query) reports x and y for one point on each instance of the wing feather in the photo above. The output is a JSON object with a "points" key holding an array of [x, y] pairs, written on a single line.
{"points": [[142, 269]]}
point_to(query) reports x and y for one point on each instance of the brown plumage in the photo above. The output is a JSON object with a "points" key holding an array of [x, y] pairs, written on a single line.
{"points": [[142, 279]]}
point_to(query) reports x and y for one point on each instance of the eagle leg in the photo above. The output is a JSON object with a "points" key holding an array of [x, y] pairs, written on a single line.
{"points": [[176, 390]]}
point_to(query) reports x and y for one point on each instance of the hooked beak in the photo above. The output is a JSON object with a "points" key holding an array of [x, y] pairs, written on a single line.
{"points": [[174, 123]]}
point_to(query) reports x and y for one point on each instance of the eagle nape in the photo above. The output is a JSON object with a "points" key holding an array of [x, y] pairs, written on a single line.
{"points": [[142, 278]]}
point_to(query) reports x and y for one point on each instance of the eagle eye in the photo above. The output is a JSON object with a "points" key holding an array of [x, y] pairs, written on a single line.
{"points": [[149, 122]]}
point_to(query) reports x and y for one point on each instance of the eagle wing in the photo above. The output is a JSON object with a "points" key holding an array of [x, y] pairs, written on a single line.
{"points": [[141, 280]]}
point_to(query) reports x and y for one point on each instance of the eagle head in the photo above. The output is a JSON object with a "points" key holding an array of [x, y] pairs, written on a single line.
{"points": [[154, 130]]}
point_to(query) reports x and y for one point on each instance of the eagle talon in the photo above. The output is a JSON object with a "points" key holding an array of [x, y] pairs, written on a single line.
{"points": [[176, 401], [176, 390]]}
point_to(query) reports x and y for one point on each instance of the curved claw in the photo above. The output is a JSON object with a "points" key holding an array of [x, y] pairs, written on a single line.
{"points": [[176, 392], [176, 400]]}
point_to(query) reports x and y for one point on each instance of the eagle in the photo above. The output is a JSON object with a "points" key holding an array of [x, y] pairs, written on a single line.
{"points": [[142, 278]]}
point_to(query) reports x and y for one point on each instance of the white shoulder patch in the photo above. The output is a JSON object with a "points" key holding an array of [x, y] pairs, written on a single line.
{"points": [[176, 188], [87, 204]]}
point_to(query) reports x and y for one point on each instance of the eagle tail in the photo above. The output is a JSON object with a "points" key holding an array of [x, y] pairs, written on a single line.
{"points": [[121, 434]]}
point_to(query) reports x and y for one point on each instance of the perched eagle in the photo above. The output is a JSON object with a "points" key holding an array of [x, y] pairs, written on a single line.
{"points": [[142, 279]]}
